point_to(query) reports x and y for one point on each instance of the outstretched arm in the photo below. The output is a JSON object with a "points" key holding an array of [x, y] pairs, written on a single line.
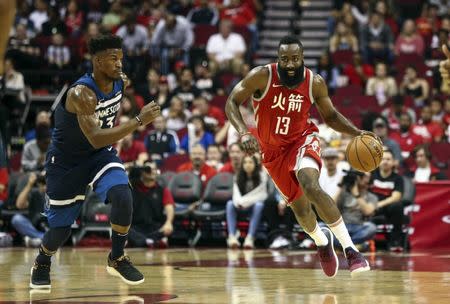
{"points": [[329, 113], [254, 83], [82, 102]]}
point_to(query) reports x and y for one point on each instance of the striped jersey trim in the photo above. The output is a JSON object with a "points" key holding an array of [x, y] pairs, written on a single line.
{"points": [[109, 102]]}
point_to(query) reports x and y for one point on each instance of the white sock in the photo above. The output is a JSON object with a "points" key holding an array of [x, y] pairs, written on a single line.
{"points": [[341, 233], [318, 236]]}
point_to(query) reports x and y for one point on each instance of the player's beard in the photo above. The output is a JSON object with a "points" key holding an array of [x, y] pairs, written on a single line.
{"points": [[291, 81]]}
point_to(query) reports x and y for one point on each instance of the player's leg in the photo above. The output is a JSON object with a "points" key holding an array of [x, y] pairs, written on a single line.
{"points": [[113, 186], [60, 220], [322, 237], [308, 177]]}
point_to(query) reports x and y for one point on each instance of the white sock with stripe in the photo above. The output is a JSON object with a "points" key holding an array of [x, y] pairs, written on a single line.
{"points": [[340, 231], [318, 236]]}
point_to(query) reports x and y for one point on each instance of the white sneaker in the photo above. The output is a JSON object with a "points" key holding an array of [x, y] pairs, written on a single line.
{"points": [[279, 242], [307, 244], [232, 242], [32, 242], [248, 243], [35, 242]]}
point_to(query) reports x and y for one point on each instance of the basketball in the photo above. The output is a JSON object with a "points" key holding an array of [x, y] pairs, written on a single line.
{"points": [[364, 153]]}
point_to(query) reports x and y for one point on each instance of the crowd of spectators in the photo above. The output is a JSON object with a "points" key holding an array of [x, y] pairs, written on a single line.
{"points": [[162, 58]]}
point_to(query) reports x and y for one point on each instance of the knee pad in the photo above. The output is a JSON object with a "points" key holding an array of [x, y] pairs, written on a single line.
{"points": [[56, 237], [121, 201]]}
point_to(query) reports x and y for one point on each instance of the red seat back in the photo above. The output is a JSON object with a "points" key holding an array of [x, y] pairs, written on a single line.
{"points": [[202, 32], [342, 57]]}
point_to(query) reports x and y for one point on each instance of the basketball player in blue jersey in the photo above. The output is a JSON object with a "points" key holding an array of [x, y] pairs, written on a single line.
{"points": [[81, 156]]}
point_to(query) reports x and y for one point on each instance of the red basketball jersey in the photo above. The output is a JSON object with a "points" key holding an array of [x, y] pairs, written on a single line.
{"points": [[282, 114]]}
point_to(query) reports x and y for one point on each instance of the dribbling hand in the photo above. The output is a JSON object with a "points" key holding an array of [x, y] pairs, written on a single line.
{"points": [[249, 143], [371, 134], [149, 112]]}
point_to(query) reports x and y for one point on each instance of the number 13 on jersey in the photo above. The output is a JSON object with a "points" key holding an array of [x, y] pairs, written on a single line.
{"points": [[282, 125]]}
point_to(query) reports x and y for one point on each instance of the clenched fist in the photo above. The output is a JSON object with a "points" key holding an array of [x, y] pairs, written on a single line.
{"points": [[149, 112]]}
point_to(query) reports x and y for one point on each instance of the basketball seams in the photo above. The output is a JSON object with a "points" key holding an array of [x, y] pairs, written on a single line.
{"points": [[357, 155], [370, 152]]}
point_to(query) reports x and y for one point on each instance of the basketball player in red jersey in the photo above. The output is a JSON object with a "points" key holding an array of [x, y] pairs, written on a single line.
{"points": [[282, 94]]}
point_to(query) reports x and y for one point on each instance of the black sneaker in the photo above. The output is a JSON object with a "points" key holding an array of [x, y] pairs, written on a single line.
{"points": [[40, 276], [124, 269]]}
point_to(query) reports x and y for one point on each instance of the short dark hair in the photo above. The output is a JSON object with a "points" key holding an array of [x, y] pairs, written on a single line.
{"points": [[290, 39], [388, 151], [425, 149], [104, 42]]}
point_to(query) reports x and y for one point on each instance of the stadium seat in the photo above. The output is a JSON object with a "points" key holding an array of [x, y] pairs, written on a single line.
{"points": [[172, 162], [349, 91], [165, 178], [219, 101], [440, 152], [245, 33], [218, 192], [342, 57], [404, 60], [94, 217], [202, 32], [366, 104], [186, 188], [210, 215]]}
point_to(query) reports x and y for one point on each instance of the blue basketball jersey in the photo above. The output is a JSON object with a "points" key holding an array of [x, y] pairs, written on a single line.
{"points": [[68, 138]]}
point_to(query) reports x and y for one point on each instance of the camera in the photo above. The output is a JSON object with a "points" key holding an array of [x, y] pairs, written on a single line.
{"points": [[349, 180]]}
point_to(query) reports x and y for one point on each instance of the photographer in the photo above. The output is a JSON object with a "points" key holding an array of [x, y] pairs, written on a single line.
{"points": [[153, 210], [356, 203], [31, 197]]}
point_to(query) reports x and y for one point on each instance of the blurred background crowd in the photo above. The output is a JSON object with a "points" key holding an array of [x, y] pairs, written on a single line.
{"points": [[191, 180]]}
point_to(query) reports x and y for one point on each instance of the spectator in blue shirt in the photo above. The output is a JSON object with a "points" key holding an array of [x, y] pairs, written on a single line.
{"points": [[196, 134]]}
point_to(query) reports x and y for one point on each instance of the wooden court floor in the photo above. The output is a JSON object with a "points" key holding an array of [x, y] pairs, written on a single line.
{"points": [[227, 276]]}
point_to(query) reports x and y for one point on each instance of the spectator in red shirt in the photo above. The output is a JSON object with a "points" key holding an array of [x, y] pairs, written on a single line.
{"points": [[428, 129], [131, 150], [393, 113], [212, 115], [409, 42], [405, 137], [236, 154], [239, 13], [198, 165], [242, 15], [423, 170], [74, 19], [153, 210], [359, 72], [428, 22]]}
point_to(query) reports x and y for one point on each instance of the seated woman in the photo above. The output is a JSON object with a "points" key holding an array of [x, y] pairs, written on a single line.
{"points": [[343, 39], [414, 86], [382, 86], [249, 194]]}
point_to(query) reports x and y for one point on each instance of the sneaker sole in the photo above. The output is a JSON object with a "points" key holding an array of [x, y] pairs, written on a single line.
{"points": [[360, 270], [112, 271], [334, 252], [33, 286]]}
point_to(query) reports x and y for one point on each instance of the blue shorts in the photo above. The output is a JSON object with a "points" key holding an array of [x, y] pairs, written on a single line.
{"points": [[69, 179]]}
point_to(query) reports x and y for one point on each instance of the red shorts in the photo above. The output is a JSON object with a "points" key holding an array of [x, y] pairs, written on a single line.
{"points": [[283, 163]]}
